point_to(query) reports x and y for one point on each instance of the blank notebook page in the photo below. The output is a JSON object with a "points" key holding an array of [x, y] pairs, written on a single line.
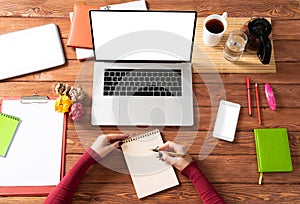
{"points": [[35, 155], [149, 175]]}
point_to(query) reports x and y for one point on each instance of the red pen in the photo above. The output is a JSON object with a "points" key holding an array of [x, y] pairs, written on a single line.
{"points": [[257, 104], [249, 95]]}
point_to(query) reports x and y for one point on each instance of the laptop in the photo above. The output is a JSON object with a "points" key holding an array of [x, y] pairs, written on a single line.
{"points": [[142, 69]]}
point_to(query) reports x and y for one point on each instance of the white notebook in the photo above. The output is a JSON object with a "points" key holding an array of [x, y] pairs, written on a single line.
{"points": [[30, 50], [149, 174]]}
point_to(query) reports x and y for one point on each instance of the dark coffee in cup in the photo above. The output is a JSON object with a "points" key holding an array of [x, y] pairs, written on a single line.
{"points": [[214, 26]]}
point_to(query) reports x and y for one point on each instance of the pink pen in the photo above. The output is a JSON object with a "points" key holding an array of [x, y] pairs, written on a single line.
{"points": [[270, 97]]}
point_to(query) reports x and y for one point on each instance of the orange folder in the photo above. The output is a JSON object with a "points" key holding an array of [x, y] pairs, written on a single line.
{"points": [[80, 31]]}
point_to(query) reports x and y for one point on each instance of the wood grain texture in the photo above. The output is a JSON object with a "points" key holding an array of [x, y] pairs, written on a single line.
{"points": [[243, 145], [204, 93], [245, 193], [231, 167], [281, 27], [215, 170], [232, 193], [55, 8]]}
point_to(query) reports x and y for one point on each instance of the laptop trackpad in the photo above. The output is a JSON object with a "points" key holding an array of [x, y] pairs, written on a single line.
{"points": [[142, 111]]}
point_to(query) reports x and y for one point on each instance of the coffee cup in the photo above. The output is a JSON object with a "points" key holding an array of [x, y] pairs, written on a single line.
{"points": [[214, 27]]}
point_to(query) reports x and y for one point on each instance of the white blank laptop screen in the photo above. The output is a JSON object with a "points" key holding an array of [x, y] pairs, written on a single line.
{"points": [[143, 35]]}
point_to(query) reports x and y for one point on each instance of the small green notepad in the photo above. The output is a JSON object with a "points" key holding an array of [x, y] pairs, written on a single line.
{"points": [[273, 150], [8, 126]]}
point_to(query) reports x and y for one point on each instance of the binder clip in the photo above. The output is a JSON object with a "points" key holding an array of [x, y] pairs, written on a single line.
{"points": [[34, 99]]}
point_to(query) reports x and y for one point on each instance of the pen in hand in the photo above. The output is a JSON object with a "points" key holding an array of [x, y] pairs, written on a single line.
{"points": [[173, 154]]}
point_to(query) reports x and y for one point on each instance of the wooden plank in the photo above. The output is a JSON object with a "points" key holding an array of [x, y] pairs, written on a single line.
{"points": [[287, 73], [186, 193], [23, 200], [204, 120], [268, 193], [12, 24], [217, 168], [55, 8], [232, 193], [206, 95], [78, 140], [287, 51], [280, 27], [180, 194], [235, 8]]}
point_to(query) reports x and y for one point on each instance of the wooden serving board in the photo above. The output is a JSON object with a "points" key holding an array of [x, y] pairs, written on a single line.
{"points": [[211, 60]]}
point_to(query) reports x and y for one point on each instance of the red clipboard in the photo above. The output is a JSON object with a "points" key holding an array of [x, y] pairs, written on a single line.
{"points": [[35, 190]]}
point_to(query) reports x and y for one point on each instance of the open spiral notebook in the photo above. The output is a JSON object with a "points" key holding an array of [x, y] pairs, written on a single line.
{"points": [[149, 175]]}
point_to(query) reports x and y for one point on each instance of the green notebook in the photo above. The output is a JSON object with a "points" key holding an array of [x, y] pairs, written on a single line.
{"points": [[8, 126], [273, 150]]}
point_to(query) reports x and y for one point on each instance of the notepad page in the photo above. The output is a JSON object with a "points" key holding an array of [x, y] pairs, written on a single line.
{"points": [[34, 158], [149, 175]]}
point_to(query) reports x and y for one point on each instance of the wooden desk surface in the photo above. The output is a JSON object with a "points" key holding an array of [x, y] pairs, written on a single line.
{"points": [[231, 167]]}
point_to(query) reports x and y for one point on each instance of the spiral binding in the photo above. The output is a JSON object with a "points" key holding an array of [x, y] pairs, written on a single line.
{"points": [[141, 136], [9, 116]]}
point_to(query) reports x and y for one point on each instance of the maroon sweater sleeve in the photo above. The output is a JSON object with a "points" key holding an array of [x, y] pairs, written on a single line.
{"points": [[206, 191], [63, 193]]}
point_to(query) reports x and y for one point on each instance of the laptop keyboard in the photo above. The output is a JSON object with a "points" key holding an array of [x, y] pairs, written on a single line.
{"points": [[142, 82]]}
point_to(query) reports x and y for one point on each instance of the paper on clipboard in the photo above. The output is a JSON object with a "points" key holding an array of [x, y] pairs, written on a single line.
{"points": [[226, 122], [36, 157]]}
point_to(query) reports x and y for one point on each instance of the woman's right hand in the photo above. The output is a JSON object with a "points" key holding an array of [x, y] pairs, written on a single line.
{"points": [[178, 162]]}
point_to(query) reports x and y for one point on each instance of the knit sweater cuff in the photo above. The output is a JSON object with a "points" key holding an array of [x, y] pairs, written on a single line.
{"points": [[94, 154], [192, 170]]}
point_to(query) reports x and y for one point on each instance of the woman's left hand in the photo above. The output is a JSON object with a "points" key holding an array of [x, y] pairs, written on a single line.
{"points": [[104, 144]]}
